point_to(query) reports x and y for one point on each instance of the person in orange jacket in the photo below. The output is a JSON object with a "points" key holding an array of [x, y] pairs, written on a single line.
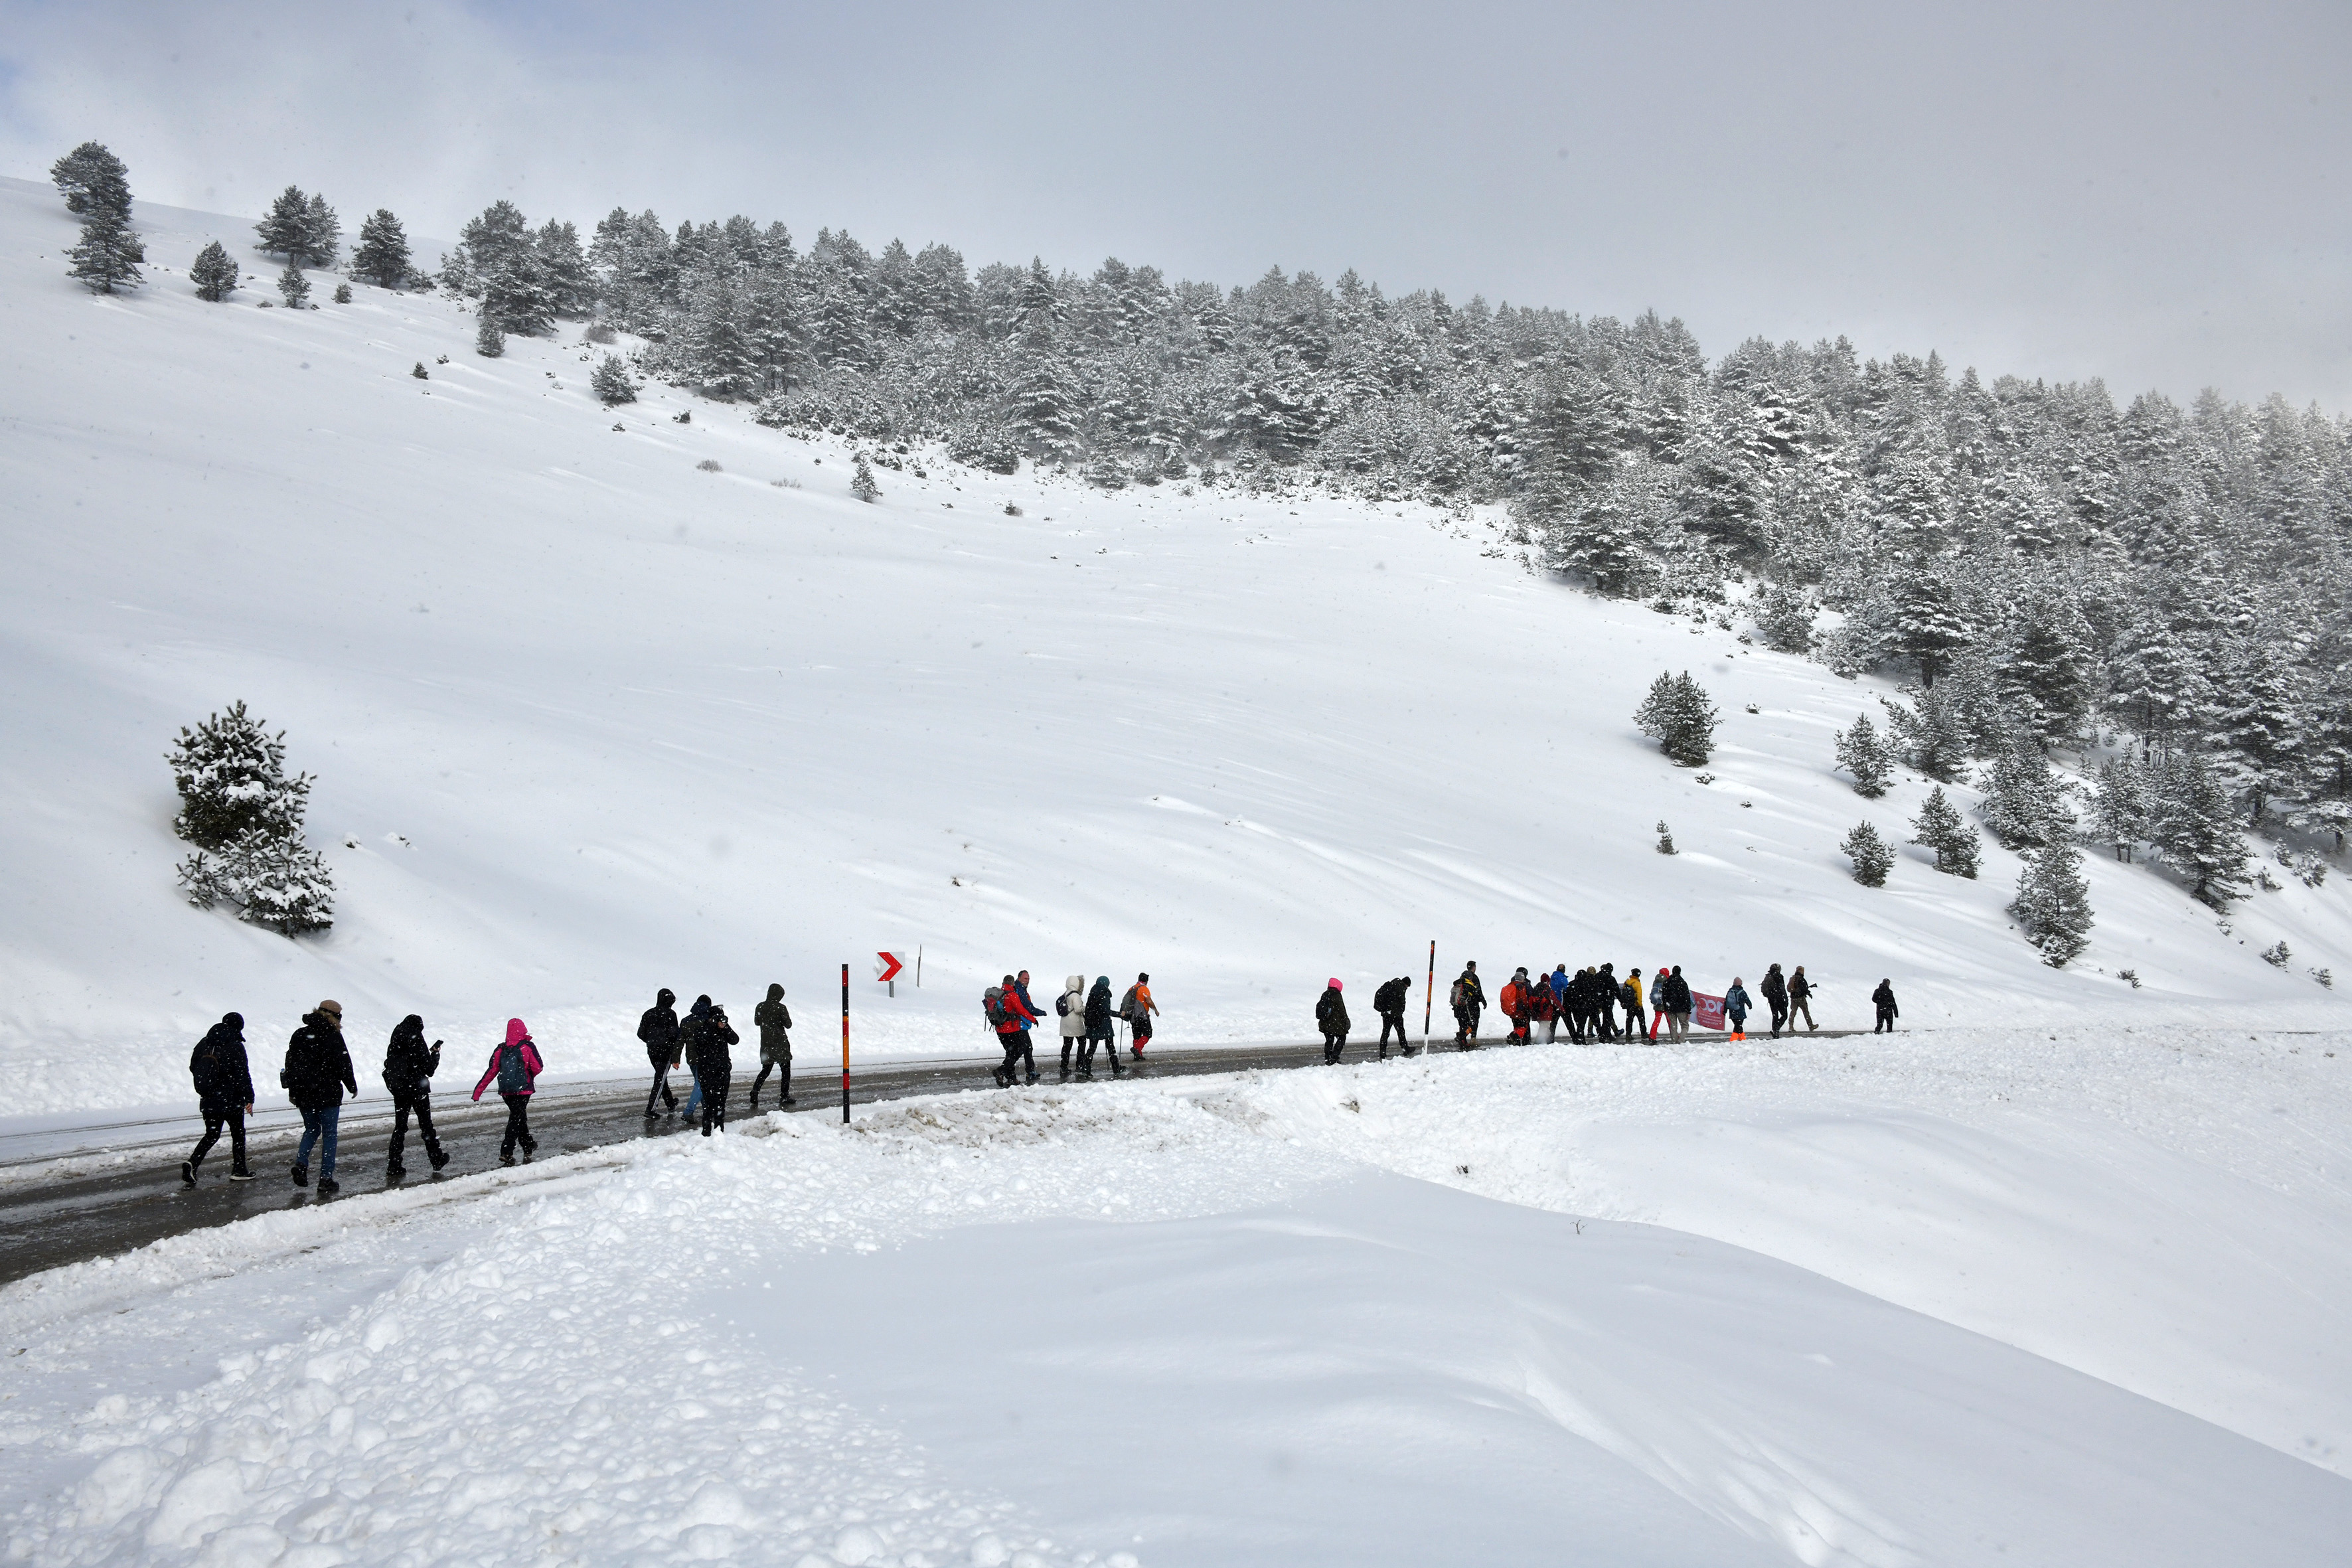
{"points": [[1136, 1007], [1516, 1005]]}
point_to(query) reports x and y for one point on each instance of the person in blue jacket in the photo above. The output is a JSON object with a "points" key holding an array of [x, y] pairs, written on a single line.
{"points": [[1736, 1007]]}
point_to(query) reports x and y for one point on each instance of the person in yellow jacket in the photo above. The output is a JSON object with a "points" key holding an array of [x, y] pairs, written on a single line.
{"points": [[1630, 994]]}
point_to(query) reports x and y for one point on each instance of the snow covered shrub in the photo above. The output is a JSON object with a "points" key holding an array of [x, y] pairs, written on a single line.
{"points": [[1872, 856], [420, 373], [244, 816], [2131, 976], [293, 287], [488, 341], [342, 293], [611, 381], [2053, 906], [1783, 617], [214, 274], [1676, 715], [1665, 837], [861, 483], [2325, 977], [1862, 753], [1940, 827], [709, 466], [598, 332], [2276, 955]]}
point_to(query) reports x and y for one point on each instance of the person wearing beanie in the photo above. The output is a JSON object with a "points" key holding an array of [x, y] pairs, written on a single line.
{"points": [[318, 1070], [657, 1029], [409, 1064], [1102, 1030], [1331, 1017], [224, 1094]]}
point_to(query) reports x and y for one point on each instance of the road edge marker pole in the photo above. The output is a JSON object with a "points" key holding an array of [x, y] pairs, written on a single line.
{"points": [[844, 1045]]}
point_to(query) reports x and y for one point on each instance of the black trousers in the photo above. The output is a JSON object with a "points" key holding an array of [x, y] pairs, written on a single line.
{"points": [[1017, 1052], [402, 1104], [1333, 1044], [1886, 1021], [716, 1079], [214, 1116], [780, 1064], [518, 1130], [1069, 1044], [1394, 1021], [661, 1090], [1780, 1016], [1107, 1043]]}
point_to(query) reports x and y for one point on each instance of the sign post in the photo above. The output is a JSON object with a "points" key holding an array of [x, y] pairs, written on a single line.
{"points": [[844, 1045], [886, 969], [1429, 997]]}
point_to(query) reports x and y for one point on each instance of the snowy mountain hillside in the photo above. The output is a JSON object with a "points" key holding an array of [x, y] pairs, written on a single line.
{"points": [[598, 702]]}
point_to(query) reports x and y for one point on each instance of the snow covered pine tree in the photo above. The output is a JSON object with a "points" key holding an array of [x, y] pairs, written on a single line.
{"points": [[861, 483], [2053, 906], [213, 273], [1872, 856], [244, 817], [293, 286], [382, 257], [1862, 753], [611, 381], [1940, 827], [1676, 714]]}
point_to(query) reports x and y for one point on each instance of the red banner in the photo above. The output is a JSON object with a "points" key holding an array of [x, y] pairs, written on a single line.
{"points": [[1707, 1011]]}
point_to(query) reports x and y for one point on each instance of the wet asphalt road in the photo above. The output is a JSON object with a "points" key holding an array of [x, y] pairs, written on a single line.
{"points": [[47, 1221]]}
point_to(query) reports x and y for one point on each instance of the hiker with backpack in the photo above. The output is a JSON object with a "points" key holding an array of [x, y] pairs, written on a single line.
{"points": [[1102, 1030], [1673, 998], [1736, 1005], [1388, 1002], [775, 1021], [1629, 997], [1468, 999], [1136, 1007], [1801, 999], [1070, 1006], [224, 1084], [409, 1064], [1543, 1008], [1517, 1006], [659, 1031], [1556, 982], [1331, 1017], [1884, 1000], [318, 1070], [1000, 1005], [515, 1067], [1776, 998]]}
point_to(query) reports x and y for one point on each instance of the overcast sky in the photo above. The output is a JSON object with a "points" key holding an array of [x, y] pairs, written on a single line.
{"points": [[2155, 194]]}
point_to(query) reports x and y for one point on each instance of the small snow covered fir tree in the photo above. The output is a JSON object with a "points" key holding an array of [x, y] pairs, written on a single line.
{"points": [[1862, 753], [1931, 736], [342, 293], [611, 381], [1940, 827], [2194, 822], [1676, 715], [488, 341], [1665, 837], [2053, 906], [1783, 617], [2119, 805], [213, 273], [293, 286], [382, 255], [1872, 856], [2025, 801], [322, 233], [285, 230], [108, 255], [861, 483], [244, 817]]}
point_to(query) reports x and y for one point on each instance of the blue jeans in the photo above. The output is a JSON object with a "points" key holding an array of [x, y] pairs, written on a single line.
{"points": [[315, 1123], [694, 1096]]}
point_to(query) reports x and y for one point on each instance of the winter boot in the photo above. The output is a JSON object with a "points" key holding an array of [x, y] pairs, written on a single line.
{"points": [[1033, 1077], [188, 1172], [438, 1155], [301, 1175], [394, 1170], [505, 1157], [240, 1175], [328, 1186]]}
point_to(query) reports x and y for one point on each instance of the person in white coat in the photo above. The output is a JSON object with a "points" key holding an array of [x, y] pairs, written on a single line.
{"points": [[1072, 1005]]}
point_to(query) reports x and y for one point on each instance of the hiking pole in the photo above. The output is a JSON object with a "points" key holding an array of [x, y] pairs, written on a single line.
{"points": [[844, 1045], [1429, 997]]}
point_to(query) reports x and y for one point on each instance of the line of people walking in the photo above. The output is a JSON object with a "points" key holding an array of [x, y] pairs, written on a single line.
{"points": [[1088, 1025], [703, 1042], [318, 1073]]}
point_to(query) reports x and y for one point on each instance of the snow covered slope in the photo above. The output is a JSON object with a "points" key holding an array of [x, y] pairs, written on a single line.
{"points": [[589, 716]]}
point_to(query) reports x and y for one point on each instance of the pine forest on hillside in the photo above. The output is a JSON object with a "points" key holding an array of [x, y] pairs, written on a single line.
{"points": [[2049, 569]]}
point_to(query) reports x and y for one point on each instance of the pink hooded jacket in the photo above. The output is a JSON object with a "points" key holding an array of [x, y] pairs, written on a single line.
{"points": [[516, 1035]]}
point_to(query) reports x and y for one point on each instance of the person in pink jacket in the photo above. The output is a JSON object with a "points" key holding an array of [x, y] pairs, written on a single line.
{"points": [[514, 1065]]}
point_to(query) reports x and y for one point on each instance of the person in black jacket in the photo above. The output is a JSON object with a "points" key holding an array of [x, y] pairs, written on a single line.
{"points": [[1884, 1000], [714, 1067], [1675, 1000], [775, 1022], [1801, 999], [224, 1093], [1331, 1017], [409, 1064], [1388, 1002], [1468, 999], [1102, 1030], [659, 1031], [318, 1070], [1602, 999], [1776, 998]]}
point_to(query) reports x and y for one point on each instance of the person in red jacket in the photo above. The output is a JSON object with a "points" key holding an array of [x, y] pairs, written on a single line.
{"points": [[1012, 1034], [515, 1066], [1513, 1000]]}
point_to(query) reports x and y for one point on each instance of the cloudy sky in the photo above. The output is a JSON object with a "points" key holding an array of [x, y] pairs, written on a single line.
{"points": [[2155, 194]]}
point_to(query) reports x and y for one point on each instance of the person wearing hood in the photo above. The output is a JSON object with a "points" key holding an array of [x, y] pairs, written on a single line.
{"points": [[659, 1032], [1468, 998], [689, 1050], [1513, 1000], [1801, 999], [1674, 1003], [516, 1067], [775, 1021], [1102, 1030], [1388, 1002], [1557, 982], [1884, 1000], [409, 1064], [224, 1084], [1071, 1007], [1331, 1017], [1002, 1006], [714, 1066], [1736, 1005], [1776, 998], [318, 1070]]}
